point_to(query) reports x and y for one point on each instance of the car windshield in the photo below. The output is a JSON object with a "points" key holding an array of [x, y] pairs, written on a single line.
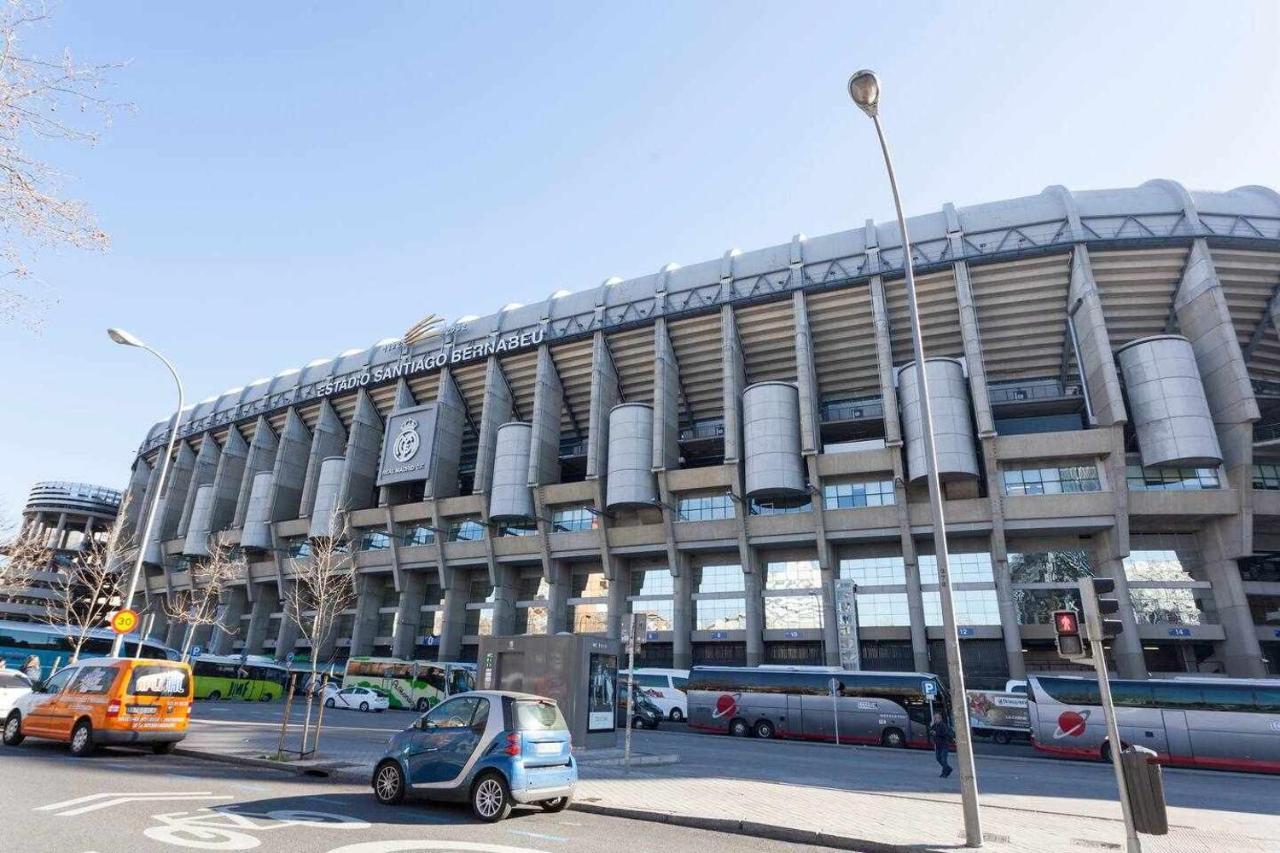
{"points": [[534, 716]]}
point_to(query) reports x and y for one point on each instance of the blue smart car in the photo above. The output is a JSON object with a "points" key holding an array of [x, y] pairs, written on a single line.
{"points": [[491, 748]]}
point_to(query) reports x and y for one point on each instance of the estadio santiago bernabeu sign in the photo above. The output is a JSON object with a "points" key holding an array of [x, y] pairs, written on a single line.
{"points": [[408, 445]]}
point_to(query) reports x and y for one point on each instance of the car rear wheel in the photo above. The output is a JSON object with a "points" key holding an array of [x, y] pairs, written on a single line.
{"points": [[81, 739], [13, 730], [328, 703], [162, 748], [388, 783], [559, 804], [893, 738], [677, 716], [764, 729], [739, 728], [490, 798], [364, 706]]}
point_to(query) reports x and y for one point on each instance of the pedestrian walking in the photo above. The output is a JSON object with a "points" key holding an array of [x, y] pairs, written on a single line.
{"points": [[32, 669], [941, 735]]}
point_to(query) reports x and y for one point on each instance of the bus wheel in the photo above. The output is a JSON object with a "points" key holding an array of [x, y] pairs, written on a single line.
{"points": [[1001, 738], [739, 728], [423, 705], [214, 696], [265, 697], [893, 738], [763, 729]]}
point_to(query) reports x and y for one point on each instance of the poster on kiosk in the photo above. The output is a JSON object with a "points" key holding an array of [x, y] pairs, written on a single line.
{"points": [[602, 687]]}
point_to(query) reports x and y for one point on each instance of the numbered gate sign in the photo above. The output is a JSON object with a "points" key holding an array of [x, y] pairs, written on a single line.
{"points": [[124, 621]]}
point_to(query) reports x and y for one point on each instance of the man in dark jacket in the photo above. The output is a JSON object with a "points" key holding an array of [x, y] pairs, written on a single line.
{"points": [[940, 733]]}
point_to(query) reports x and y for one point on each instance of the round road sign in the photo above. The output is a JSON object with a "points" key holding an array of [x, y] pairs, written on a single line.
{"points": [[124, 621]]}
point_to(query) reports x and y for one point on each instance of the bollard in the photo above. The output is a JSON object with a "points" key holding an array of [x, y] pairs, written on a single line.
{"points": [[284, 720], [1144, 779]]}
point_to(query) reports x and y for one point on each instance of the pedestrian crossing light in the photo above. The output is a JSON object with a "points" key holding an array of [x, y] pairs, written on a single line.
{"points": [[1107, 607], [1066, 625]]}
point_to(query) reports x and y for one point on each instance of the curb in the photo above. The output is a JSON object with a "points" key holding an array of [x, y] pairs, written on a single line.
{"points": [[636, 761], [750, 828], [315, 771]]}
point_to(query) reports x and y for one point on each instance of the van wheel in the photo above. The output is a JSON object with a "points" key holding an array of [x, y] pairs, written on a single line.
{"points": [[677, 716], [81, 739], [739, 728], [763, 729], [490, 798], [423, 705], [559, 804], [162, 748], [1001, 738], [13, 730], [893, 738], [388, 783], [214, 696]]}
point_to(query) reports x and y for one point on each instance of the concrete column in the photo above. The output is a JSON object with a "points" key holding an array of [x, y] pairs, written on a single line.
{"points": [[59, 530], [290, 470], [558, 598], [364, 444], [413, 591], [619, 589], [806, 378], [131, 505], [504, 600], [447, 447], [666, 400], [227, 479], [289, 633], [1241, 651], [206, 465], [175, 491], [175, 634], [455, 614], [329, 438], [266, 602], [969, 333], [261, 457], [236, 598], [734, 383], [1126, 649], [605, 394], [495, 411], [200, 637], [682, 616], [754, 586], [548, 404], [370, 590], [148, 495], [1098, 364]]}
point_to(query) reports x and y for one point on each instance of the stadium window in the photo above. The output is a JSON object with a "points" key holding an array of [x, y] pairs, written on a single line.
{"points": [[1267, 477], [417, 534], [705, 507], [1059, 479], [468, 529], [1171, 479], [570, 519], [857, 494], [374, 540]]}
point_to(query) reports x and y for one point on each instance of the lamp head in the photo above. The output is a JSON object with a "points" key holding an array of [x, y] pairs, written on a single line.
{"points": [[120, 336], [864, 89]]}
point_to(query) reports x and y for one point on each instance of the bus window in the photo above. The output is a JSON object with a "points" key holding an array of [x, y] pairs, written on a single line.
{"points": [[434, 676], [1229, 697], [460, 681], [1178, 696], [1268, 699], [1072, 691], [1132, 694]]}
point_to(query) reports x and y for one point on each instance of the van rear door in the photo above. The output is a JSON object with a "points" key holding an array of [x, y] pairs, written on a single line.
{"points": [[157, 697]]}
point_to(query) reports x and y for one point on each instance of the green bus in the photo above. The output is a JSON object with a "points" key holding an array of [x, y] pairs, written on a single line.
{"points": [[229, 677], [416, 684]]}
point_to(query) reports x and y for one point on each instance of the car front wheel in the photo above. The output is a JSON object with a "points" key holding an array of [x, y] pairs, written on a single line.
{"points": [[13, 730], [388, 783], [490, 798], [364, 706]]}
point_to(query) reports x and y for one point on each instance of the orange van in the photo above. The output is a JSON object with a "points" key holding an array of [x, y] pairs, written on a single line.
{"points": [[107, 702]]}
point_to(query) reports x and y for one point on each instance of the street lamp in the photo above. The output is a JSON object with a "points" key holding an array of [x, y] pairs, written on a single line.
{"points": [[864, 89], [124, 338]]}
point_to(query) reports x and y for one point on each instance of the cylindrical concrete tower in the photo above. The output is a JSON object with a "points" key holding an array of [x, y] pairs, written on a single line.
{"points": [[510, 498], [197, 541], [327, 488], [771, 432], [953, 434], [256, 533], [1167, 403], [631, 480]]}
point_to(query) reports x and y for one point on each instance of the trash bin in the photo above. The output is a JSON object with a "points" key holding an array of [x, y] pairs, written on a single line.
{"points": [[1144, 781]]}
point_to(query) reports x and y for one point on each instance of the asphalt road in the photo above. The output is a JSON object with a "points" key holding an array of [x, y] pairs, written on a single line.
{"points": [[121, 801]]}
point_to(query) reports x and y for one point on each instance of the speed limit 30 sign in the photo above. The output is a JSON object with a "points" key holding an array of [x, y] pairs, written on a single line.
{"points": [[124, 621]]}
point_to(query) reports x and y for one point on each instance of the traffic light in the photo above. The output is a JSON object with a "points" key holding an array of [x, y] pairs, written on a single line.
{"points": [[1107, 607], [1066, 625]]}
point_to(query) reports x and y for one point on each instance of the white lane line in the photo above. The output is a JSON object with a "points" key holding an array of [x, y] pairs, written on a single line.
{"points": [[94, 802]]}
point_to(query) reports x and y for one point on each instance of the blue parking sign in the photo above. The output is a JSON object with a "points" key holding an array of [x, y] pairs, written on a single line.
{"points": [[929, 688], [196, 651]]}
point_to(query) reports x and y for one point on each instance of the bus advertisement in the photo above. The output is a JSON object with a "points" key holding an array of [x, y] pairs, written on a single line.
{"points": [[410, 683], [1219, 723], [816, 703], [252, 679]]}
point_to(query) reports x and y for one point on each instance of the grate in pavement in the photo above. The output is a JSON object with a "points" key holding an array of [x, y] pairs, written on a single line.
{"points": [[1099, 845]]}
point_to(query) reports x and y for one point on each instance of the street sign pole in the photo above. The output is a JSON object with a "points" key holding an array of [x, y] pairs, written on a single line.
{"points": [[835, 707], [636, 627]]}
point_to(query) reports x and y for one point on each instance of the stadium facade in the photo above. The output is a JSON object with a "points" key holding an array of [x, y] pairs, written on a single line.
{"points": [[734, 448], [65, 518]]}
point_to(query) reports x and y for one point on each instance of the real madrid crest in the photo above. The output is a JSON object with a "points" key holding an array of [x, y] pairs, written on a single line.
{"points": [[407, 442]]}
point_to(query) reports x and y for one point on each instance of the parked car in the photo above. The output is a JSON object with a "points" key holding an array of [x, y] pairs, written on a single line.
{"points": [[107, 701], [491, 748], [13, 685], [362, 698], [644, 713], [666, 687]]}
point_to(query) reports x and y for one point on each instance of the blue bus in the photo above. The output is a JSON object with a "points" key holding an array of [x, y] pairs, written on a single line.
{"points": [[21, 640]]}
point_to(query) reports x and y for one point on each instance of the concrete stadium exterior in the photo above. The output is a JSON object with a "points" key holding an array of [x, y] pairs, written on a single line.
{"points": [[732, 446]]}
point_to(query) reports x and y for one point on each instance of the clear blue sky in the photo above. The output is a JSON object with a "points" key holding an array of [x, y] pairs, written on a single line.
{"points": [[300, 178]]}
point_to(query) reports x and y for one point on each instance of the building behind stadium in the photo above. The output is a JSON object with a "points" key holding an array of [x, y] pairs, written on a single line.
{"points": [[734, 448]]}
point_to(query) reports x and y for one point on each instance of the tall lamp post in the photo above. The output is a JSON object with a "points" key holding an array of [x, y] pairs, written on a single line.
{"points": [[864, 89], [124, 338]]}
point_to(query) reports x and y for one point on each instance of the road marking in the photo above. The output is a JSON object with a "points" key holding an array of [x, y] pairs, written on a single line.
{"points": [[420, 846], [95, 802], [327, 728], [537, 835]]}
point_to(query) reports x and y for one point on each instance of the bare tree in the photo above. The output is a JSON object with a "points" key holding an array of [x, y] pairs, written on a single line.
{"points": [[21, 556], [210, 577], [42, 99], [85, 591], [323, 588]]}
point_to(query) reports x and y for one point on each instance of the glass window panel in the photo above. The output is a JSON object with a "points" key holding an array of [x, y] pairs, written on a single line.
{"points": [[796, 574], [1063, 478], [965, 568], [590, 618], [374, 540], [874, 571], [721, 614], [1174, 606], [1169, 564], [661, 613], [719, 579], [417, 534], [883, 609], [793, 612], [465, 530], [1066, 566], [573, 519], [1036, 606], [589, 585], [705, 507], [853, 495], [652, 582]]}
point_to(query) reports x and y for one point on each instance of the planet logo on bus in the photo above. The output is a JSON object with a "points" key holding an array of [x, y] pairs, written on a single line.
{"points": [[725, 705], [1071, 724]]}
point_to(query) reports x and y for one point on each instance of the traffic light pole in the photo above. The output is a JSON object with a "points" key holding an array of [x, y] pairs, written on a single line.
{"points": [[1093, 627]]}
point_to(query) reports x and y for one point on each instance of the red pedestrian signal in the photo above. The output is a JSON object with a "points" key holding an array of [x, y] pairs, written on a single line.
{"points": [[1066, 622]]}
